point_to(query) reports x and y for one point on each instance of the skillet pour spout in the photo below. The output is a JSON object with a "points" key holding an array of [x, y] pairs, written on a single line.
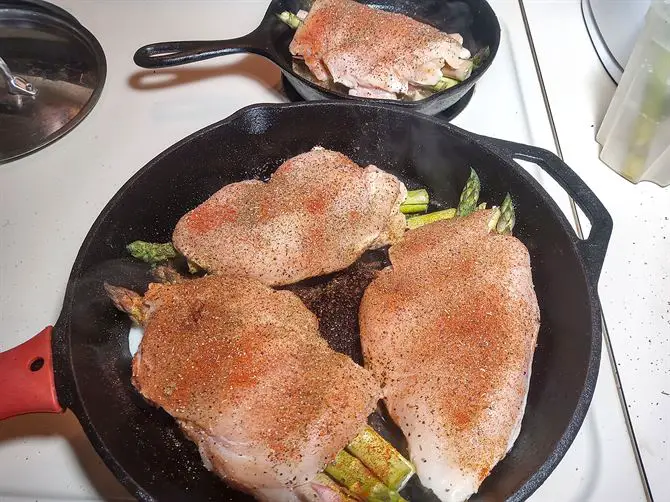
{"points": [[474, 19], [86, 362]]}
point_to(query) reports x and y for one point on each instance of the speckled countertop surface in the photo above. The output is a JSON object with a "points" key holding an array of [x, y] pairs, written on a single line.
{"points": [[635, 284]]}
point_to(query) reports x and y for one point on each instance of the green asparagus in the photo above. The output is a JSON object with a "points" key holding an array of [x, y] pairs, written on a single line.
{"points": [[166, 274], [423, 219], [382, 459], [151, 252], [416, 201], [128, 301], [507, 218], [413, 208], [469, 196], [443, 84], [350, 472], [193, 268], [493, 221], [322, 480], [419, 196], [290, 18]]}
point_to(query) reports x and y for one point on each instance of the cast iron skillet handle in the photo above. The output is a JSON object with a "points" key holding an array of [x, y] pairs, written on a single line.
{"points": [[164, 54], [593, 248], [27, 378]]}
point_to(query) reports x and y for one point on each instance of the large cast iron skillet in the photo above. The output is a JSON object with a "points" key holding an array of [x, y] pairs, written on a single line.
{"points": [[474, 19], [84, 362]]}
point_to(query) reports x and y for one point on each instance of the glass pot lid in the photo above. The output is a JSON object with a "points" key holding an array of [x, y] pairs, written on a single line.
{"points": [[52, 71]]}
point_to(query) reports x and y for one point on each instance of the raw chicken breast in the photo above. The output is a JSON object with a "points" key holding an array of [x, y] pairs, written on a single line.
{"points": [[376, 54], [243, 369], [318, 214], [450, 330]]}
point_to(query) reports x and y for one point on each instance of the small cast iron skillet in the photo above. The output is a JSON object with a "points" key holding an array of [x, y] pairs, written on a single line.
{"points": [[473, 19], [83, 362]]}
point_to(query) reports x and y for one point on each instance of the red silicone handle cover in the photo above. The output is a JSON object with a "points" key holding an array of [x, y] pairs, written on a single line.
{"points": [[27, 378]]}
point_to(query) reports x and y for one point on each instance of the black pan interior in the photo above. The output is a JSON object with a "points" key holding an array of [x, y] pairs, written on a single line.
{"points": [[143, 446], [473, 19]]}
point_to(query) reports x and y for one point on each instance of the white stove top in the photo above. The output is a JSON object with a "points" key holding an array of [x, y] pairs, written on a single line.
{"points": [[49, 200]]}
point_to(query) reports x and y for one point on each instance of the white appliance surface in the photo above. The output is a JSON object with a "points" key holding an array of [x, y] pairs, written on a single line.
{"points": [[613, 26], [48, 201], [635, 283]]}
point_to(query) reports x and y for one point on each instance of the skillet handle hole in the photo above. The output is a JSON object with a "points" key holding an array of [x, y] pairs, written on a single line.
{"points": [[579, 221], [36, 364]]}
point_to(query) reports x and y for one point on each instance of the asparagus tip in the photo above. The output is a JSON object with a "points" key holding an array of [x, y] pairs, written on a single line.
{"points": [[470, 195], [193, 268], [493, 221], [151, 252], [507, 218], [126, 300]]}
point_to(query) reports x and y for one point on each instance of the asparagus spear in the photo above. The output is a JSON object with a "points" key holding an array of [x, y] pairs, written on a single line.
{"points": [[290, 18], [469, 196], [467, 204], [451, 76], [151, 252], [417, 221], [419, 196], [416, 201], [443, 84], [413, 208], [493, 221], [327, 489], [350, 472], [505, 223], [381, 458], [166, 274], [126, 300], [193, 267]]}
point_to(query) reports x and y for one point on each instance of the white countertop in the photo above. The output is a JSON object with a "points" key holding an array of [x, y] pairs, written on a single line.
{"points": [[49, 200], [635, 283]]}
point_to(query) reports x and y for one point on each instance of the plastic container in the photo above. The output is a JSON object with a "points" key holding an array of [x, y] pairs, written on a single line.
{"points": [[635, 133]]}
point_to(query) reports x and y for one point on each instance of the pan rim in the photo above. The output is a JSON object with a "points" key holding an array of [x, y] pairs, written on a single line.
{"points": [[67, 384]]}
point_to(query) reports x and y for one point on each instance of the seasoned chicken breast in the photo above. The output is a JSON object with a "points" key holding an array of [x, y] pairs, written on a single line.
{"points": [[243, 369], [376, 54], [450, 330], [318, 213]]}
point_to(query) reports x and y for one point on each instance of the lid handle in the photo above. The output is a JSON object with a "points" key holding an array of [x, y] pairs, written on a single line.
{"points": [[16, 85]]}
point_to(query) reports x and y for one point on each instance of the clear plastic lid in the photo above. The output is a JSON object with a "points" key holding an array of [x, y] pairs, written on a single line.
{"points": [[635, 133]]}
